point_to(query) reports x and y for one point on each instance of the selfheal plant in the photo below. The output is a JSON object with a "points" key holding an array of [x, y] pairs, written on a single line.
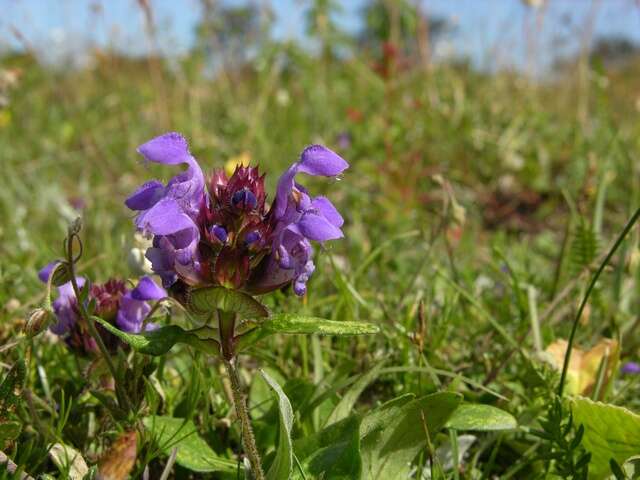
{"points": [[93, 318], [219, 231], [126, 309], [217, 241]]}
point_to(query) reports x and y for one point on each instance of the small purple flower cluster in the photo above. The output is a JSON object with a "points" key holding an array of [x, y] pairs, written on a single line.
{"points": [[114, 302], [220, 231], [631, 368]]}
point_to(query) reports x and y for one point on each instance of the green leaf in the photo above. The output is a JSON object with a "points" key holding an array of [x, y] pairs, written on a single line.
{"points": [[204, 301], [300, 324], [260, 395], [282, 464], [333, 453], [289, 323], [193, 452], [611, 432], [347, 402], [394, 433], [159, 341], [481, 418], [9, 431]]}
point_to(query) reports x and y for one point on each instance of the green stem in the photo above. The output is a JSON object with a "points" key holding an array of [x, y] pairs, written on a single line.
{"points": [[240, 405], [91, 325], [226, 327], [592, 284]]}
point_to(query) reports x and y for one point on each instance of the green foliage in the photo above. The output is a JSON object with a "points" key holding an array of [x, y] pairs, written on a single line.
{"points": [[584, 246], [564, 448], [346, 404], [481, 418], [159, 341], [193, 452], [282, 464], [334, 452], [11, 389], [454, 208], [292, 324], [394, 433], [611, 433], [9, 431]]}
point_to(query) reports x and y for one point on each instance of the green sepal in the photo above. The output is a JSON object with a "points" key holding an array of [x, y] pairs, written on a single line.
{"points": [[203, 301]]}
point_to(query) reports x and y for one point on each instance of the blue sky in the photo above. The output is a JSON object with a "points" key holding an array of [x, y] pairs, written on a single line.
{"points": [[488, 31]]}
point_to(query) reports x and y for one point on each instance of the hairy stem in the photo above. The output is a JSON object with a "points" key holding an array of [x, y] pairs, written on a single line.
{"points": [[240, 405]]}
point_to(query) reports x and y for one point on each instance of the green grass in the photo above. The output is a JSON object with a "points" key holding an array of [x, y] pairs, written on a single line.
{"points": [[466, 193]]}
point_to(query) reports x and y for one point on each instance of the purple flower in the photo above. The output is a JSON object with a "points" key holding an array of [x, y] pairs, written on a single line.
{"points": [[298, 219], [65, 306], [344, 140], [170, 212], [127, 309], [222, 233], [632, 368], [134, 307]]}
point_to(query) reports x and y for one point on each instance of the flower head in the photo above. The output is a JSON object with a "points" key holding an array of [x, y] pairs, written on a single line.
{"points": [[114, 302], [632, 368], [222, 231]]}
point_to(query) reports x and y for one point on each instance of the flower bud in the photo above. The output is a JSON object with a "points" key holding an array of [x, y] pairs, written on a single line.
{"points": [[61, 274], [244, 200], [220, 233], [38, 321]]}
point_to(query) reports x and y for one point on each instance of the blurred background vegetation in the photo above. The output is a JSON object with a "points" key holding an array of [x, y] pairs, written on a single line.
{"points": [[520, 143]]}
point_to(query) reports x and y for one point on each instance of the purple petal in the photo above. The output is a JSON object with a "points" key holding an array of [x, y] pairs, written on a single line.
{"points": [[326, 208], [166, 217], [284, 188], [184, 239], [147, 289], [284, 258], [66, 318], [45, 272], [299, 288], [187, 188], [631, 368], [294, 253], [161, 257], [162, 261], [131, 314], [300, 283], [149, 327], [146, 196], [317, 227], [319, 160], [65, 307], [170, 149], [315, 160]]}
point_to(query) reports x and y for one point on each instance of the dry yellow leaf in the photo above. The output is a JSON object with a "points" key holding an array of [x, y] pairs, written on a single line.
{"points": [[118, 461], [583, 366]]}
